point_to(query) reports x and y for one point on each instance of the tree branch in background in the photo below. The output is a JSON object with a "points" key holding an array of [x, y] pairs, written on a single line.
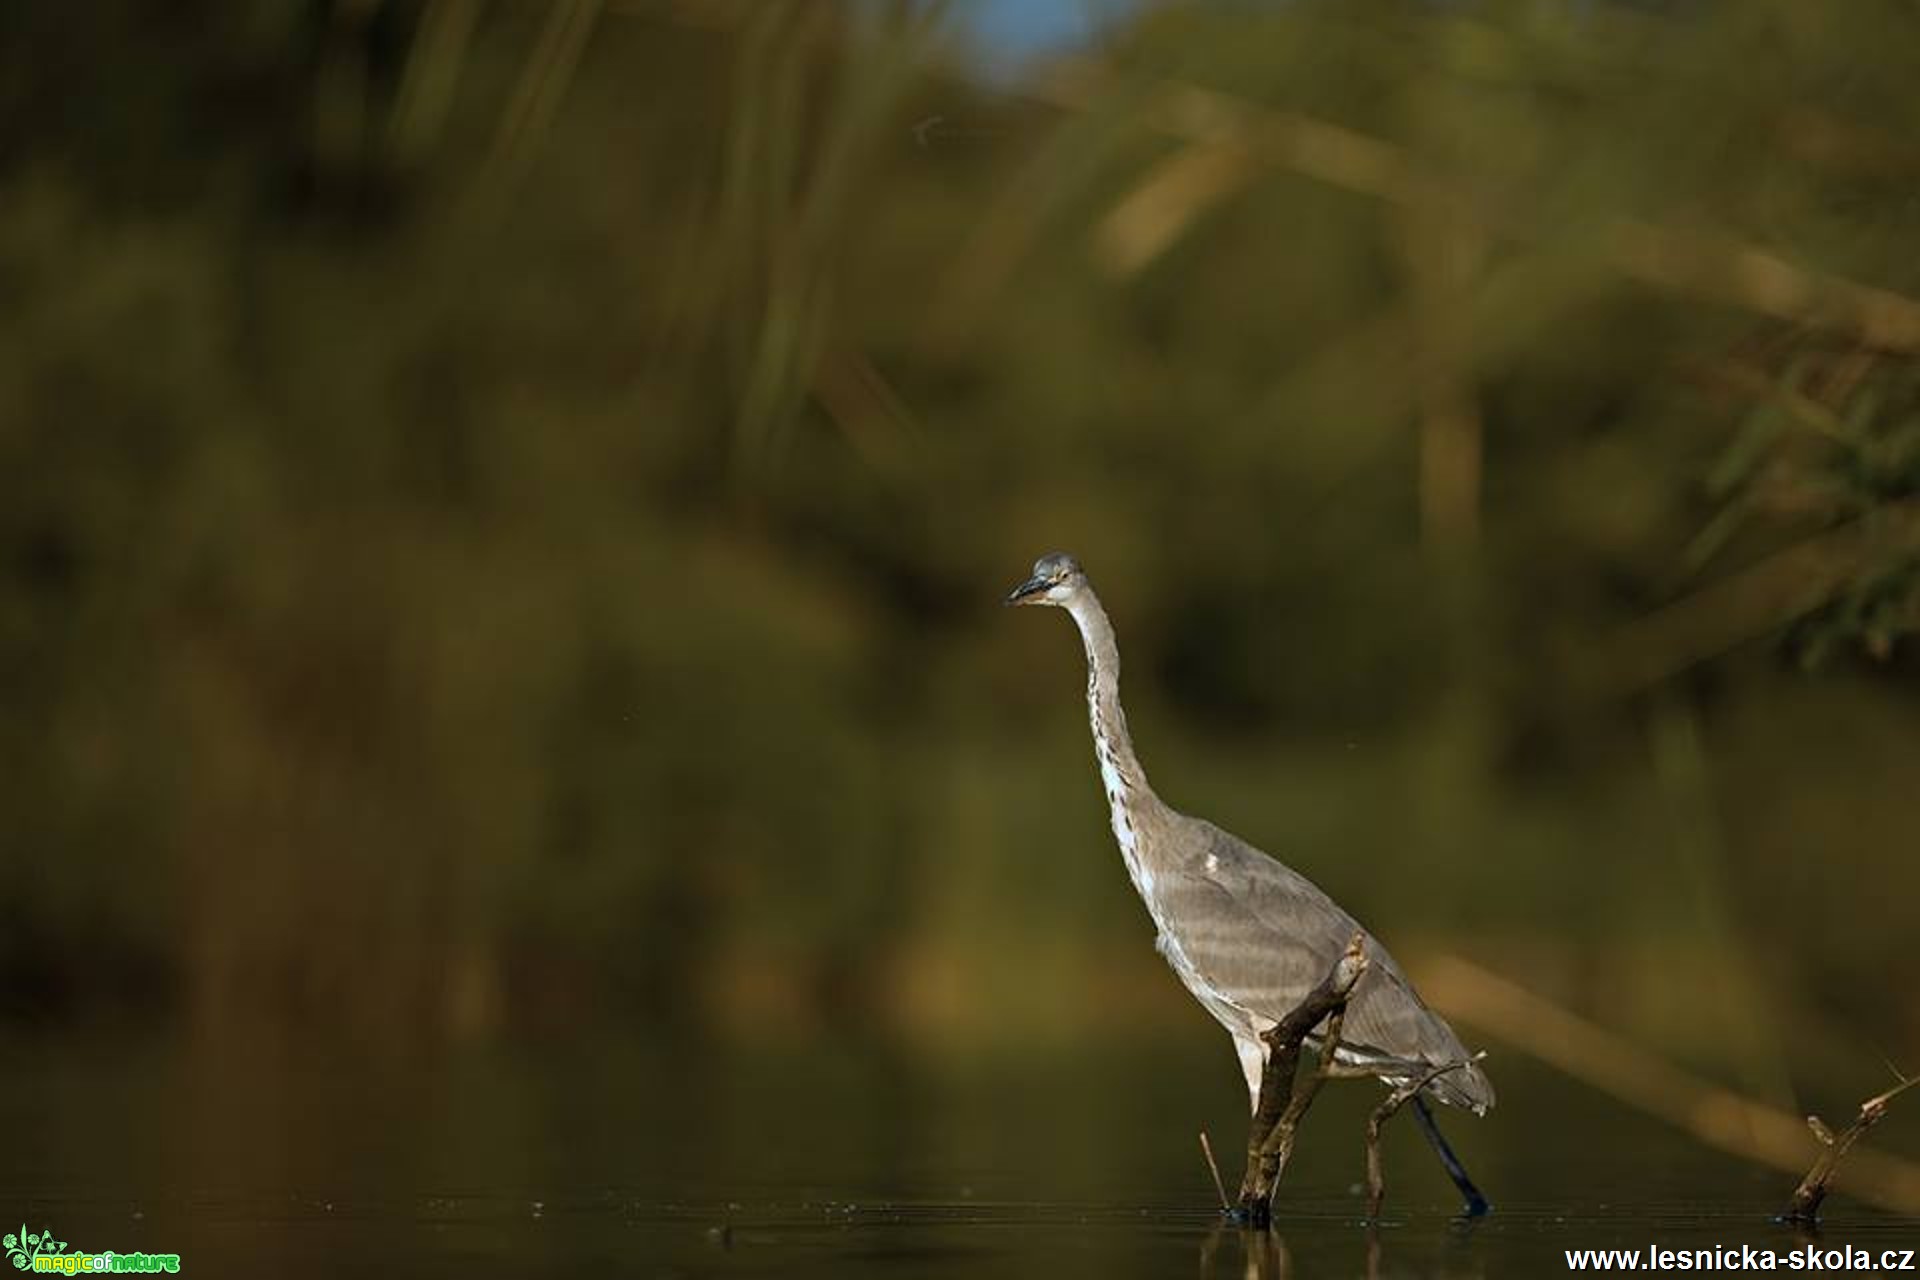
{"points": [[1779, 589], [1804, 1208], [1442, 259], [548, 73], [1173, 194], [1608, 1062], [432, 73], [1230, 140], [1241, 135]]}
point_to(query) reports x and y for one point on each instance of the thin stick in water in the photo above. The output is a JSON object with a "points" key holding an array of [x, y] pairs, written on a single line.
{"points": [[1219, 1187]]}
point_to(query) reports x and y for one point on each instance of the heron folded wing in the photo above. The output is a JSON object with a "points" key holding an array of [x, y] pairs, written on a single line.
{"points": [[1261, 936]]}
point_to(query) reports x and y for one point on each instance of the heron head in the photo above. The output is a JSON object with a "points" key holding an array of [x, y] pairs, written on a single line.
{"points": [[1056, 577]]}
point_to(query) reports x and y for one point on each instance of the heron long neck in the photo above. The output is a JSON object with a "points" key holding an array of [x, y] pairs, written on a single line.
{"points": [[1128, 794]]}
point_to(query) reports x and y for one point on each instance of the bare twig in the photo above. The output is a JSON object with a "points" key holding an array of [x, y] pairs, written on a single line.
{"points": [[1389, 1106], [1282, 1105], [1279, 1142], [1804, 1208]]}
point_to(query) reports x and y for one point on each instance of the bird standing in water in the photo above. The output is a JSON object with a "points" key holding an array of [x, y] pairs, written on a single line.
{"points": [[1245, 934]]}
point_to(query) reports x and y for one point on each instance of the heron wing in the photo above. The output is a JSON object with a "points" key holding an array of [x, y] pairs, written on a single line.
{"points": [[1261, 935]]}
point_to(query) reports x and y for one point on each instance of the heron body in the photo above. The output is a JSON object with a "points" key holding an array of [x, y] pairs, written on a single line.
{"points": [[1248, 936]]}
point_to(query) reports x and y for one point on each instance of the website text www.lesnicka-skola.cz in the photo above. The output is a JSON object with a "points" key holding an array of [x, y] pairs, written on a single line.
{"points": [[1803, 1258]]}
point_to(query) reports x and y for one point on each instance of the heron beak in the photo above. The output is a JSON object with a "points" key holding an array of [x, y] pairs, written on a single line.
{"points": [[1027, 591]]}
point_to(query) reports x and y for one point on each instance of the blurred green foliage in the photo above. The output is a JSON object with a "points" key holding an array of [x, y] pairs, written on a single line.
{"points": [[505, 504]]}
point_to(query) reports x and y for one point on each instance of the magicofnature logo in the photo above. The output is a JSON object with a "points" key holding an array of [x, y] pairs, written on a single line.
{"points": [[39, 1251]]}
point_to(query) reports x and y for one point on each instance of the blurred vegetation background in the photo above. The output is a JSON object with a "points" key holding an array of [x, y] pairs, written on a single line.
{"points": [[505, 507]]}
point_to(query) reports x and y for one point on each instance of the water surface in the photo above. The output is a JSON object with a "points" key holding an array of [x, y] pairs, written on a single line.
{"points": [[675, 1158]]}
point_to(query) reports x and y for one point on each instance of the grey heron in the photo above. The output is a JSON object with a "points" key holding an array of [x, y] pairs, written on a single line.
{"points": [[1248, 936]]}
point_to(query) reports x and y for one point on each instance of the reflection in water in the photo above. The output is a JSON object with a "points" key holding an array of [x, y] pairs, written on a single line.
{"points": [[1243, 1252], [1259, 1255]]}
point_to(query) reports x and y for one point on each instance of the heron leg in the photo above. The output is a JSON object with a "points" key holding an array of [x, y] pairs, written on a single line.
{"points": [[1476, 1204]]}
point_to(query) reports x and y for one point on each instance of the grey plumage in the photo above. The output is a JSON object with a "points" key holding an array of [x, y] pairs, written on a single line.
{"points": [[1247, 935]]}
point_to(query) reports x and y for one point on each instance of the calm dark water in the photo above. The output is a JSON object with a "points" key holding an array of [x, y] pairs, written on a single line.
{"points": [[675, 1159]]}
